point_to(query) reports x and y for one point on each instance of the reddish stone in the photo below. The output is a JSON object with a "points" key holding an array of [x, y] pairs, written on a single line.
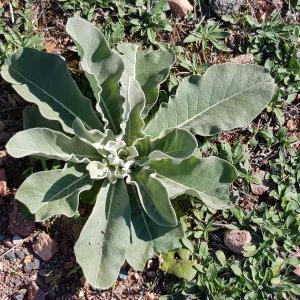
{"points": [[235, 240], [180, 7], [45, 247]]}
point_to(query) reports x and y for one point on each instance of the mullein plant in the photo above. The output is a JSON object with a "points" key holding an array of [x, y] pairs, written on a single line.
{"points": [[129, 163]]}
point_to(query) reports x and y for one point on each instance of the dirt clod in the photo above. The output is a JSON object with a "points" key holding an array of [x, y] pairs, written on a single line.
{"points": [[180, 7], [235, 240], [45, 247]]}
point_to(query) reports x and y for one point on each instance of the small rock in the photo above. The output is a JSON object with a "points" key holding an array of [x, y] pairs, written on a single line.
{"points": [[8, 244], [20, 254], [258, 189], [17, 239], [35, 264], [10, 256], [224, 7], [18, 225], [34, 292], [150, 264], [180, 7], [296, 271], [20, 295], [4, 191], [123, 276], [242, 59], [27, 268], [235, 240], [45, 247], [81, 294], [290, 124], [26, 252]]}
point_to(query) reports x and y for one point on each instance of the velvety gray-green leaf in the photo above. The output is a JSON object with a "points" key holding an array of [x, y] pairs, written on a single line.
{"points": [[55, 192], [208, 179], [50, 144], [32, 118], [227, 96], [44, 79], [147, 237], [105, 237], [154, 197], [179, 263], [150, 69], [172, 143], [136, 103], [103, 68], [94, 137]]}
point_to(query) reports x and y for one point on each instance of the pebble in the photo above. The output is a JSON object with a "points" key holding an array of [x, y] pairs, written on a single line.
{"points": [[17, 239], [20, 295], [10, 256], [180, 7], [235, 240], [34, 265], [45, 247], [81, 294], [27, 268], [123, 277]]}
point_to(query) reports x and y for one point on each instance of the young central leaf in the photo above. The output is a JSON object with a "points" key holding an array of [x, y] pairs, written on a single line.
{"points": [[127, 167]]}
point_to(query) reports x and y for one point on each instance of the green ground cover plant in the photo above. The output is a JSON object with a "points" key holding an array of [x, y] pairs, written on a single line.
{"points": [[130, 163]]}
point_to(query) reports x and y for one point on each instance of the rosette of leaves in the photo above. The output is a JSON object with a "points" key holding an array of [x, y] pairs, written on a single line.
{"points": [[130, 168]]}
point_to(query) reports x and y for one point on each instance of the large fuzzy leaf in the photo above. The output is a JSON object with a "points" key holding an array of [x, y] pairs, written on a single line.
{"points": [[149, 68], [154, 197], [103, 68], [134, 122], [227, 96], [44, 79], [208, 179], [54, 192], [94, 138], [32, 118], [179, 263], [147, 237], [50, 144], [172, 143], [101, 247]]}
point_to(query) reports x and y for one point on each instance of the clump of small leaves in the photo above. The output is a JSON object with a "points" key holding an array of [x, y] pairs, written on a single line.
{"points": [[208, 35], [131, 164]]}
